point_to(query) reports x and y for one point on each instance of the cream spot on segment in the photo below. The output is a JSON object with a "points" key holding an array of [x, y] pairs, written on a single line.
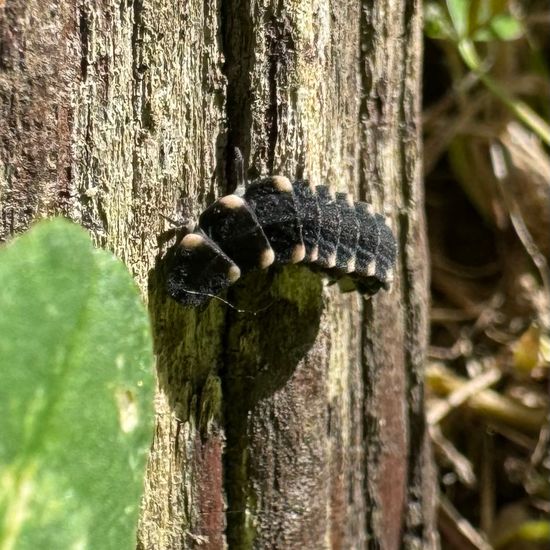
{"points": [[298, 253], [314, 254], [371, 269], [192, 240], [231, 201], [234, 273], [267, 257], [282, 184]]}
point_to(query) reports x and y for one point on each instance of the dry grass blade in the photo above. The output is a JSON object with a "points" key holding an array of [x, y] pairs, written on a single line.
{"points": [[460, 394], [487, 403]]}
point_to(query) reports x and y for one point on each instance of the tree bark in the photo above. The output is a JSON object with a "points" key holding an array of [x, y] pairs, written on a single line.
{"points": [[301, 425]]}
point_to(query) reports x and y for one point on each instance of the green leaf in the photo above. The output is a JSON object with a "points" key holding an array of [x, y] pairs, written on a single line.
{"points": [[506, 27], [530, 531], [436, 22], [75, 396], [483, 34], [483, 21], [460, 16]]}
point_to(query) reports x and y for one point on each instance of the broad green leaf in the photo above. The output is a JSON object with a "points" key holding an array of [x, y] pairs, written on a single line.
{"points": [[75, 393]]}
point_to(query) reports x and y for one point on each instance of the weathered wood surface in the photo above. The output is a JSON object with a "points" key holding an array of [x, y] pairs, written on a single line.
{"points": [[301, 426]]}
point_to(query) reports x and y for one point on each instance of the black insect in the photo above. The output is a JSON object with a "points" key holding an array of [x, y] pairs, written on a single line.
{"points": [[276, 221]]}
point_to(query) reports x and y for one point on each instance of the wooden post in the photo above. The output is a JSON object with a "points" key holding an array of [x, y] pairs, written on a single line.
{"points": [[301, 426]]}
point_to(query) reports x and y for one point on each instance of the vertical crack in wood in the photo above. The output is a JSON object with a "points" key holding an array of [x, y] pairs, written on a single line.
{"points": [[371, 435], [262, 403], [237, 32], [237, 44], [419, 528], [390, 114]]}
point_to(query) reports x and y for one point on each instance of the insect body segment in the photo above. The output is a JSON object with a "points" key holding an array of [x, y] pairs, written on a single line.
{"points": [[273, 202], [349, 234], [368, 242], [199, 268], [276, 221], [330, 221], [232, 224], [309, 214]]}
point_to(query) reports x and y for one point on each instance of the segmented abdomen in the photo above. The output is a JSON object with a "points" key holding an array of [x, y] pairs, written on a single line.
{"points": [[276, 221]]}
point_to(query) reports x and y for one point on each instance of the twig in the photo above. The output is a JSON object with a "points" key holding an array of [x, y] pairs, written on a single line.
{"points": [[459, 530], [460, 464]]}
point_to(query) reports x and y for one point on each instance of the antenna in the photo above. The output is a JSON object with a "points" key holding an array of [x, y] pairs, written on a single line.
{"points": [[238, 310]]}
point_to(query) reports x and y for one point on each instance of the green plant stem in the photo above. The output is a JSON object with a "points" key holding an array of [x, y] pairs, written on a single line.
{"points": [[521, 110]]}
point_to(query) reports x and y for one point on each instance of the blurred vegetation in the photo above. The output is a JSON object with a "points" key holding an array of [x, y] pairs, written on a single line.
{"points": [[487, 170]]}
